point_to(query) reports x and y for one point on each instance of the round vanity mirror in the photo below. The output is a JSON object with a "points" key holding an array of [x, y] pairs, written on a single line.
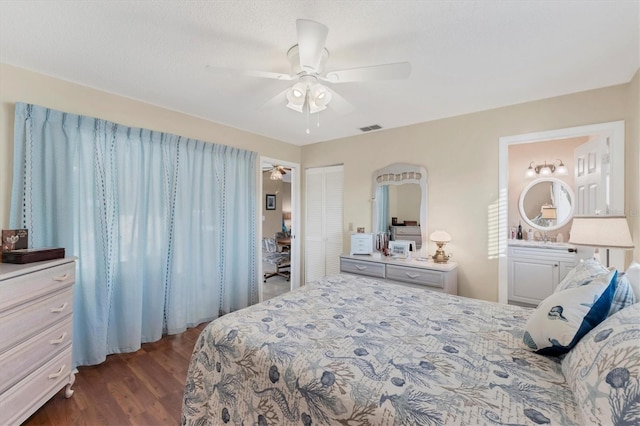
{"points": [[547, 204]]}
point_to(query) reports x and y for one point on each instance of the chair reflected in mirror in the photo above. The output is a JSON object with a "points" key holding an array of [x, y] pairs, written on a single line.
{"points": [[281, 259]]}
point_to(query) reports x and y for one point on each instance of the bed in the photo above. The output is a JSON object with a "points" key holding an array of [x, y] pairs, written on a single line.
{"points": [[350, 350]]}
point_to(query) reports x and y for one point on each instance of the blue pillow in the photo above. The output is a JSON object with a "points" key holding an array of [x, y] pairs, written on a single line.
{"points": [[563, 318], [624, 295]]}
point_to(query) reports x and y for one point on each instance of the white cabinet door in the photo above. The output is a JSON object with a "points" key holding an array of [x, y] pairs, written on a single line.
{"points": [[324, 190], [532, 280]]}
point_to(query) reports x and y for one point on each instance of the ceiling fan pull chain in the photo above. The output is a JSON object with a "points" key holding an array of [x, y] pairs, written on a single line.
{"points": [[308, 113], [318, 122]]}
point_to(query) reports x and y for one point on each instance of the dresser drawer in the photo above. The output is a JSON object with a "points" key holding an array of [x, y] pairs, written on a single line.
{"points": [[23, 399], [21, 289], [19, 324], [362, 268], [21, 360], [415, 276]]}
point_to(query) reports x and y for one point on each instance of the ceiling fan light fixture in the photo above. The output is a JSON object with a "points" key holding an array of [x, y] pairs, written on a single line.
{"points": [[320, 95], [276, 174], [297, 94]]}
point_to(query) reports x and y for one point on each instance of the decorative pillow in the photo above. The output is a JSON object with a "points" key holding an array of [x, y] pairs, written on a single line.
{"points": [[582, 274], [633, 274], [561, 320], [623, 296], [603, 370]]}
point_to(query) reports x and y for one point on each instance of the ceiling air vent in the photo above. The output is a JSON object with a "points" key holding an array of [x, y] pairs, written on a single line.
{"points": [[370, 128]]}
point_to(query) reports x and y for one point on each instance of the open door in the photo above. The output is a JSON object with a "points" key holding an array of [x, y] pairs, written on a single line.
{"points": [[592, 175], [279, 213]]}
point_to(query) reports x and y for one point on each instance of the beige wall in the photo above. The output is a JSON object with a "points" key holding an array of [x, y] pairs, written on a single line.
{"points": [[19, 85], [461, 157]]}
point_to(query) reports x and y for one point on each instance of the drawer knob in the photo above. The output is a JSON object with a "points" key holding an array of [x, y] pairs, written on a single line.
{"points": [[58, 374], [360, 268], [412, 276], [61, 277], [60, 340], [60, 309]]}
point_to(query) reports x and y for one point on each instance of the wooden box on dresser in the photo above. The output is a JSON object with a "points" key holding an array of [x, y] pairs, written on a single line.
{"points": [[36, 312], [441, 277]]}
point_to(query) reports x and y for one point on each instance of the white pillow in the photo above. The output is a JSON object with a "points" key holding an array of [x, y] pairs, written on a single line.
{"points": [[582, 274], [603, 370], [633, 275], [561, 320]]}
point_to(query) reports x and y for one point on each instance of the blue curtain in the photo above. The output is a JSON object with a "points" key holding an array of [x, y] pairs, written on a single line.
{"points": [[164, 227], [382, 201]]}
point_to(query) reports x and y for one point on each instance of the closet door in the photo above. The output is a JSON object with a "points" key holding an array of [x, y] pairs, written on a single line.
{"points": [[324, 190]]}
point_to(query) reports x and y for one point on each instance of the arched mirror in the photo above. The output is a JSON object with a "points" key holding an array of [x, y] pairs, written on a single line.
{"points": [[400, 191], [547, 204]]}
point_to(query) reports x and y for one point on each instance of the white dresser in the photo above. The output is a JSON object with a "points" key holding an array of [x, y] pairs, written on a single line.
{"points": [[441, 277], [36, 312]]}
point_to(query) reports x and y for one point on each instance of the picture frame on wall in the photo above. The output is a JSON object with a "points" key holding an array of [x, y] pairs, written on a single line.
{"points": [[271, 202]]}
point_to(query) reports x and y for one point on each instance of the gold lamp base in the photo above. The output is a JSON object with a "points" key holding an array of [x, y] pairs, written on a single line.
{"points": [[440, 256]]}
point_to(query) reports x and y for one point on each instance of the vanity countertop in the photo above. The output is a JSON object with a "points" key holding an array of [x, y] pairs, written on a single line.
{"points": [[541, 244]]}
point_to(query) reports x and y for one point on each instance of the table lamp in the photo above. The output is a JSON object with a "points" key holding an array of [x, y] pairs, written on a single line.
{"points": [[440, 238], [601, 231]]}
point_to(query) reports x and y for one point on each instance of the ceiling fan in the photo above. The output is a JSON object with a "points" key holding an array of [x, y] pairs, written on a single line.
{"points": [[308, 57], [277, 172]]}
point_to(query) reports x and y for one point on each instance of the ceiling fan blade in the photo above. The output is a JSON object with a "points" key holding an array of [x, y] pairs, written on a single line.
{"points": [[250, 73], [311, 39], [395, 71], [278, 100], [340, 104], [267, 74]]}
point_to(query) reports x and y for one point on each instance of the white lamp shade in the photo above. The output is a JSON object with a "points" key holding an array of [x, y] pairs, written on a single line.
{"points": [[562, 170], [320, 95], [545, 171], [548, 212], [440, 236], [601, 231]]}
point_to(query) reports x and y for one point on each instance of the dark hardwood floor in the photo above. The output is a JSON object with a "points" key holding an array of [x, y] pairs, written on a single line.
{"points": [[140, 388]]}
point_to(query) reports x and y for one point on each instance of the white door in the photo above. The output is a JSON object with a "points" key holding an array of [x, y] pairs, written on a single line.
{"points": [[324, 188], [592, 174]]}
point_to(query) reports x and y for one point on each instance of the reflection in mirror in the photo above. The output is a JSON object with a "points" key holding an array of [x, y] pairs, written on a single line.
{"points": [[400, 191], [547, 204]]}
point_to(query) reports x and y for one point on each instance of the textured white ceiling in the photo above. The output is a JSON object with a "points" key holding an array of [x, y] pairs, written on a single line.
{"points": [[466, 56]]}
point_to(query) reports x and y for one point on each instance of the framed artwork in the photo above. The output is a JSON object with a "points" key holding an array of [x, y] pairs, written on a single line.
{"points": [[271, 201]]}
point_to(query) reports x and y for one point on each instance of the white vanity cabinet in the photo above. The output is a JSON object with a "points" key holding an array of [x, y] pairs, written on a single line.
{"points": [[534, 272], [411, 273], [36, 313]]}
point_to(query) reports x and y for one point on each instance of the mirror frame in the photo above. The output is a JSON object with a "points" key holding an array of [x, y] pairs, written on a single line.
{"points": [[534, 183], [399, 174]]}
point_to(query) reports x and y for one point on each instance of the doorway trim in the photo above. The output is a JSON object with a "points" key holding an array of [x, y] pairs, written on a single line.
{"points": [[294, 281], [613, 128]]}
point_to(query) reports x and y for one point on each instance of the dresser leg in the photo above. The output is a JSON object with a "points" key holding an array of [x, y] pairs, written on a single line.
{"points": [[68, 391]]}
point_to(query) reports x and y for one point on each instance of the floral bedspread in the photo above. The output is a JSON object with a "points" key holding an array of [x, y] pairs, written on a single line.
{"points": [[349, 350]]}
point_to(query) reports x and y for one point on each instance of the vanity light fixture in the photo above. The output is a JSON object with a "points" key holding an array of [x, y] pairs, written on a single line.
{"points": [[440, 238], [547, 169]]}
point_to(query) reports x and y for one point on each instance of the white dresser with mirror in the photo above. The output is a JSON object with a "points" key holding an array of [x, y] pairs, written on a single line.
{"points": [[400, 191]]}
